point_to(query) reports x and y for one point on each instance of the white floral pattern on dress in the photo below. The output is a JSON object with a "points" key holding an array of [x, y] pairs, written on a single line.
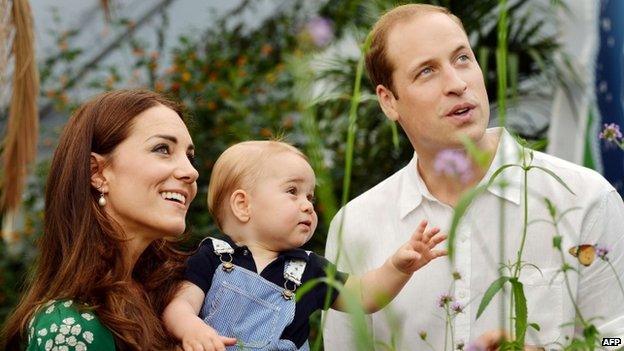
{"points": [[65, 328]]}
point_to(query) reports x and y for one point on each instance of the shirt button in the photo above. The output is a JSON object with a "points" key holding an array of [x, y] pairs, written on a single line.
{"points": [[245, 252]]}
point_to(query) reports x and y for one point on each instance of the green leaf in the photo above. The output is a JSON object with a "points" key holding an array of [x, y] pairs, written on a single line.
{"points": [[520, 308], [534, 326], [552, 174], [557, 242], [551, 208], [490, 293], [499, 171]]}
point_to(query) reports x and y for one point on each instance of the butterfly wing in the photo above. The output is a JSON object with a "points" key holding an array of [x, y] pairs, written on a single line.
{"points": [[586, 254]]}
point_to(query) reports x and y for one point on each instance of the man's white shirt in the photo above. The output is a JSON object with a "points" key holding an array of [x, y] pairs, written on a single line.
{"points": [[377, 222]]}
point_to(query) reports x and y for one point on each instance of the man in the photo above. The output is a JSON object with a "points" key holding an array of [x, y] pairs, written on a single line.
{"points": [[427, 79]]}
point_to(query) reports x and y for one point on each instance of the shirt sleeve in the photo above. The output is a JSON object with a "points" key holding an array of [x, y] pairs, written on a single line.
{"points": [[602, 280], [59, 326], [201, 266], [323, 268]]}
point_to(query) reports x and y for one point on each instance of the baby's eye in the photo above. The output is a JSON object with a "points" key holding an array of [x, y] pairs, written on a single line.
{"points": [[312, 198], [292, 190], [161, 148]]}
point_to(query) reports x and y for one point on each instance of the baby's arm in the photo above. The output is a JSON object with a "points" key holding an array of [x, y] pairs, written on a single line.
{"points": [[378, 287], [182, 321]]}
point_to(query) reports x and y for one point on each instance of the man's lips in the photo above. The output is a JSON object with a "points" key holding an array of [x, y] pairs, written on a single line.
{"points": [[460, 109]]}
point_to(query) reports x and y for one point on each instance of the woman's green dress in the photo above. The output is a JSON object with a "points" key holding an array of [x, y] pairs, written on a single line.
{"points": [[61, 326]]}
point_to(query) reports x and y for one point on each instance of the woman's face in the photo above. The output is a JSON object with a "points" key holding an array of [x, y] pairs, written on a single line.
{"points": [[150, 180]]}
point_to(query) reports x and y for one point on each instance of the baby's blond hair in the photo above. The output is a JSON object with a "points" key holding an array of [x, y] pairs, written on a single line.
{"points": [[238, 167]]}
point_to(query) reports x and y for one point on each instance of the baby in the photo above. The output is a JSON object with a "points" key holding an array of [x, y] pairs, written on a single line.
{"points": [[240, 291]]}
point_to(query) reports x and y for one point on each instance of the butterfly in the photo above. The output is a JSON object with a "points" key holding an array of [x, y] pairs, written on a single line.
{"points": [[584, 253]]}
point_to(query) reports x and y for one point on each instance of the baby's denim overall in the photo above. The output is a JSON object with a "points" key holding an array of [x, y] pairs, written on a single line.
{"points": [[243, 305]]}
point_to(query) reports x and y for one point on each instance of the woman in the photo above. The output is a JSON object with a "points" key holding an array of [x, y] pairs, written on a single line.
{"points": [[118, 190]]}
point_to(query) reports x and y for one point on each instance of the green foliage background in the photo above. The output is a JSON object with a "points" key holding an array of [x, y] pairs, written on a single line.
{"points": [[238, 84]]}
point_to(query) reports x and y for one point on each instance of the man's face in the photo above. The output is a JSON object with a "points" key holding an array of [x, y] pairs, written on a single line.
{"points": [[440, 89]]}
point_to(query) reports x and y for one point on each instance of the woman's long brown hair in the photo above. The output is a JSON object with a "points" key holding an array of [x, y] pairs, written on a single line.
{"points": [[80, 251]]}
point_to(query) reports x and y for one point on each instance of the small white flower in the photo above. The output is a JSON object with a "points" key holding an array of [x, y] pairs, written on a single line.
{"points": [[59, 339], [49, 309], [76, 329], [53, 328], [69, 320], [54, 348], [63, 348], [42, 332], [87, 316], [88, 336], [68, 303], [80, 346], [71, 341], [64, 329], [39, 341], [48, 345]]}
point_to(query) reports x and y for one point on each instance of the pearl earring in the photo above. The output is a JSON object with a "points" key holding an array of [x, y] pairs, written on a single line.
{"points": [[102, 200]]}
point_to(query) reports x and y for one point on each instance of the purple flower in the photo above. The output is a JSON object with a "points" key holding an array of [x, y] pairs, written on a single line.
{"points": [[474, 347], [611, 133], [457, 307], [321, 30], [602, 252], [453, 163], [444, 299]]}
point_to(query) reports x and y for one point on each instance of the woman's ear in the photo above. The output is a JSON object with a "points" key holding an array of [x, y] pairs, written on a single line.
{"points": [[98, 180], [239, 204]]}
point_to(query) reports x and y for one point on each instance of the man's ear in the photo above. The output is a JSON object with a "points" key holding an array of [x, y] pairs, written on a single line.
{"points": [[97, 163], [239, 204], [387, 101]]}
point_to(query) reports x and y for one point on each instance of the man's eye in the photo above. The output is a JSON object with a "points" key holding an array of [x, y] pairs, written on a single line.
{"points": [[463, 58]]}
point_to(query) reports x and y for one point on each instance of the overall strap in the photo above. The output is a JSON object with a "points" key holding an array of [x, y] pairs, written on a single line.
{"points": [[221, 247], [293, 271]]}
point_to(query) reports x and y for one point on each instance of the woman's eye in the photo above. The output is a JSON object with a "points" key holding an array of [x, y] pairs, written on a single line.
{"points": [[193, 159], [162, 148]]}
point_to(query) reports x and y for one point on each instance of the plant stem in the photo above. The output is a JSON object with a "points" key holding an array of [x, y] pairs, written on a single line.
{"points": [[616, 276]]}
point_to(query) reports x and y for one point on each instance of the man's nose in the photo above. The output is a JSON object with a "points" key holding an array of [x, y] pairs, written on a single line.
{"points": [[455, 84]]}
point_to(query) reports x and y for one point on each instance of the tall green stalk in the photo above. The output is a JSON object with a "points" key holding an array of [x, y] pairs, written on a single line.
{"points": [[501, 70]]}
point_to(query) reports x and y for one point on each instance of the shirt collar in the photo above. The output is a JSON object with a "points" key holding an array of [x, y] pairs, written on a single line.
{"points": [[413, 188], [293, 253], [507, 152]]}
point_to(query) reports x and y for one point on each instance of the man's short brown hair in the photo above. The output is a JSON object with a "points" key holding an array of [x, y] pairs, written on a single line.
{"points": [[378, 64]]}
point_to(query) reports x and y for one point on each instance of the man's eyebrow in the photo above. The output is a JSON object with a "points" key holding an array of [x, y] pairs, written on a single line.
{"points": [[431, 61], [171, 138]]}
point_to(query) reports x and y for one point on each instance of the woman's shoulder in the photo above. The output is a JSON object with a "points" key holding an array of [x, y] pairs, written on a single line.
{"points": [[67, 325]]}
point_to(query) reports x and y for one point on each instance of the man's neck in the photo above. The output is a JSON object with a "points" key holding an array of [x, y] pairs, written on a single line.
{"points": [[446, 188]]}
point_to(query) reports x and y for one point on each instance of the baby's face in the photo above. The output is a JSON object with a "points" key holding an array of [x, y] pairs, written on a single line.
{"points": [[281, 203]]}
